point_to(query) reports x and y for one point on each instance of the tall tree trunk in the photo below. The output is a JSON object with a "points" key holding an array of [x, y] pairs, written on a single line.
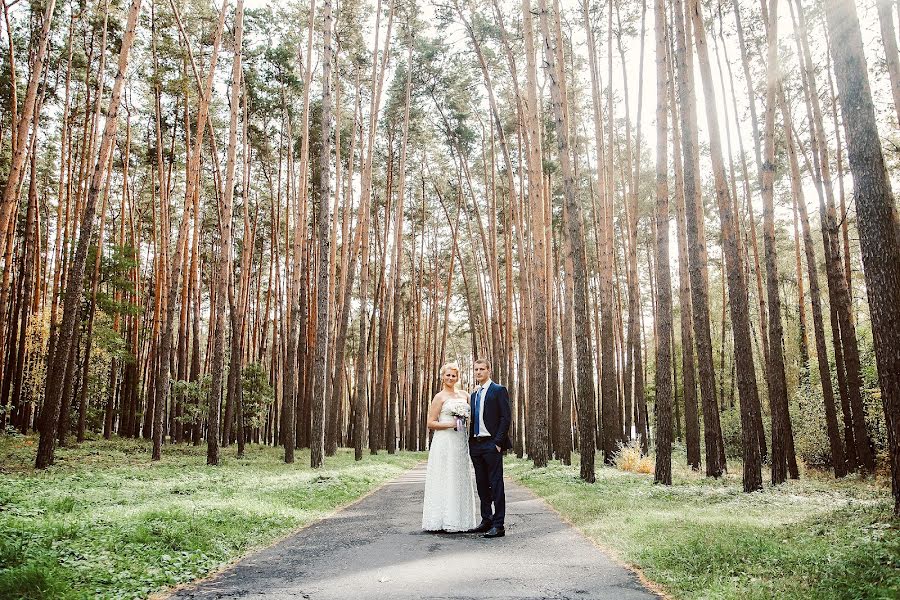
{"points": [[688, 370], [191, 186], [699, 279], [349, 254], [320, 367], [802, 321], [754, 122], [397, 266], [608, 403], [663, 472], [22, 405], [537, 371], [574, 236], [239, 307], [293, 381], [92, 311], [778, 403], [361, 397], [634, 358], [738, 300], [75, 280], [838, 456], [22, 124], [223, 263], [843, 328], [167, 290], [879, 229]]}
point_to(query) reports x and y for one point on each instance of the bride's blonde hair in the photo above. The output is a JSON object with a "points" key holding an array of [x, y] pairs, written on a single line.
{"points": [[448, 367]]}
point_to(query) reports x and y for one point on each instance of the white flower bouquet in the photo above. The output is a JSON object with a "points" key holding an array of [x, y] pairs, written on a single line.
{"points": [[460, 410]]}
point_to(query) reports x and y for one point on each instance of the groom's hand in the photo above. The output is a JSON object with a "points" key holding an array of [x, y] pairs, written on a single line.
{"points": [[498, 449]]}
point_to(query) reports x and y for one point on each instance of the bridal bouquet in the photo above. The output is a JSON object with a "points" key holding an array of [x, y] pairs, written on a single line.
{"points": [[460, 410]]}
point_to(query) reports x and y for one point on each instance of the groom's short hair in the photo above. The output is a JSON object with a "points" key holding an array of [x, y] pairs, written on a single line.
{"points": [[483, 361]]}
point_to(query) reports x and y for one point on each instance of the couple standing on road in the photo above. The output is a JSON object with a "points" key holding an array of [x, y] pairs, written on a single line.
{"points": [[470, 434]]}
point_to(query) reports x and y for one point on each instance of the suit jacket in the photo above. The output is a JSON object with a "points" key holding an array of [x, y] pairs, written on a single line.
{"points": [[497, 415]]}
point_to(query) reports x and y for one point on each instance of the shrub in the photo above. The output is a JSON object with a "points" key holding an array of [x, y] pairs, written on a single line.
{"points": [[629, 458], [730, 420], [810, 432]]}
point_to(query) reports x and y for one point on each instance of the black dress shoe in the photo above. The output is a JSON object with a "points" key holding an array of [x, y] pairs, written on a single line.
{"points": [[484, 526], [495, 532]]}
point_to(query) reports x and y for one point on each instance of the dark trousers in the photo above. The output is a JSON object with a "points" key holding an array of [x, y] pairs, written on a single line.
{"points": [[488, 465]]}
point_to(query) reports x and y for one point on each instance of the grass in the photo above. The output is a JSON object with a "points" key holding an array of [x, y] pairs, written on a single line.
{"points": [[105, 522], [700, 538]]}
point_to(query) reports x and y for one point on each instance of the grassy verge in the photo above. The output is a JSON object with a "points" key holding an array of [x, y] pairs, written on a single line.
{"points": [[699, 538], [106, 522]]}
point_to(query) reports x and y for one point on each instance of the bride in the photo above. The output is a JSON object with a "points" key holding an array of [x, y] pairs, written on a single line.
{"points": [[449, 497]]}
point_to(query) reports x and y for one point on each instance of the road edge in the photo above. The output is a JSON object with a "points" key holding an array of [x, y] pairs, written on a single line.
{"points": [[171, 591], [651, 585]]}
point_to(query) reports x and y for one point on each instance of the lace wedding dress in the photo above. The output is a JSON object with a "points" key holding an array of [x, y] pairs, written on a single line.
{"points": [[449, 493]]}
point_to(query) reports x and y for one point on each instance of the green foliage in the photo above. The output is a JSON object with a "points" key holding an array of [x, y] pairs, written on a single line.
{"points": [[257, 395], [808, 409], [105, 522], [730, 420], [395, 107], [107, 340], [37, 337], [872, 402], [448, 81], [29, 572], [810, 429], [703, 538], [195, 398], [116, 265]]}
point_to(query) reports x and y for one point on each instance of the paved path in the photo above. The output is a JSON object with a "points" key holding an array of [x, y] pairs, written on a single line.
{"points": [[375, 549]]}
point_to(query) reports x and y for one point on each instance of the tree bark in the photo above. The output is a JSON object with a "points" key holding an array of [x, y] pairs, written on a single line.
{"points": [[688, 368], [537, 371], [838, 456], [738, 300], [778, 403], [663, 470], [320, 366], [843, 328], [699, 279], [877, 219], [75, 280], [394, 391], [23, 122], [361, 397], [224, 261], [574, 236]]}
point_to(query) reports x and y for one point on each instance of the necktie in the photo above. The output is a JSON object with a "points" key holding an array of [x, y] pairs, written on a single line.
{"points": [[477, 416]]}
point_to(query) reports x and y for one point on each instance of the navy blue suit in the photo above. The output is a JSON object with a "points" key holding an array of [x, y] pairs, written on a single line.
{"points": [[488, 462]]}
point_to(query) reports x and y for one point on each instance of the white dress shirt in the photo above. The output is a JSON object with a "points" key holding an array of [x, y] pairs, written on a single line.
{"points": [[482, 393]]}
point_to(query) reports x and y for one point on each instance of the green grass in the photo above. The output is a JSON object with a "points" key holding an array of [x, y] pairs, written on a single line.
{"points": [[106, 522], [700, 538]]}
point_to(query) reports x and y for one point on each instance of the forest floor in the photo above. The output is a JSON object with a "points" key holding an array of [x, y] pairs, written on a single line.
{"points": [[376, 550], [106, 522], [702, 538]]}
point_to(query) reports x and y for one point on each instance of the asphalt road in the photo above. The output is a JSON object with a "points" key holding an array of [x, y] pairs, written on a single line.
{"points": [[375, 549]]}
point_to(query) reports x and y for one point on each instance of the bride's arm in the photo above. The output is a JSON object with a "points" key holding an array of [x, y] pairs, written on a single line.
{"points": [[434, 412]]}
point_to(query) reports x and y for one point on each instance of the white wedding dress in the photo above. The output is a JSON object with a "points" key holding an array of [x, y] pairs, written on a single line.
{"points": [[449, 490]]}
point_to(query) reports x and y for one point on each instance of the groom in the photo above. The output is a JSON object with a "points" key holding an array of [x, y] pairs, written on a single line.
{"points": [[491, 416]]}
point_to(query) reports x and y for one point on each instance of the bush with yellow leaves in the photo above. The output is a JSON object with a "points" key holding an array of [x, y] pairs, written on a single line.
{"points": [[629, 458]]}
